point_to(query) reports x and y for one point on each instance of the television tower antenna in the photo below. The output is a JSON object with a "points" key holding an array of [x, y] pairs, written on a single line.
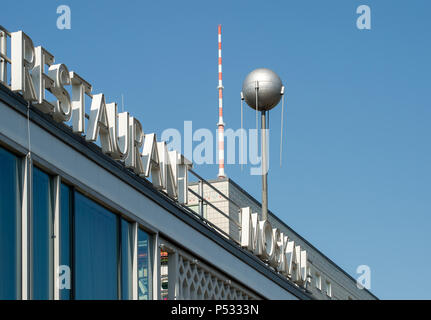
{"points": [[220, 124]]}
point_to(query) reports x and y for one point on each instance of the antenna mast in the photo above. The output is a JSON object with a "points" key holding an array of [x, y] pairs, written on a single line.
{"points": [[220, 123]]}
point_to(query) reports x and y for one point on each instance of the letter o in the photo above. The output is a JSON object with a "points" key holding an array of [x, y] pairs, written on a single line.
{"points": [[267, 240]]}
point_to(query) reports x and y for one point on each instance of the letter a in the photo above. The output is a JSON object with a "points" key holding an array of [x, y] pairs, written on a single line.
{"points": [[364, 20]]}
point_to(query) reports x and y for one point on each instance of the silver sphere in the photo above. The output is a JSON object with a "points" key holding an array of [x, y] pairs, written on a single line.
{"points": [[268, 92]]}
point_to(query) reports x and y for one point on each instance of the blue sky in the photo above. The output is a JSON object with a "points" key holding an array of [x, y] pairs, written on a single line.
{"points": [[356, 174]]}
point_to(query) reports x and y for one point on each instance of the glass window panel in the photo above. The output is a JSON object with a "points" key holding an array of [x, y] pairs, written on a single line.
{"points": [[328, 289], [145, 283], [9, 213], [164, 274], [126, 259], [318, 281], [41, 236], [96, 251], [65, 252]]}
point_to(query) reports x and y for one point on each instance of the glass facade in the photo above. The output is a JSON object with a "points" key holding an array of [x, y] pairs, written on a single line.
{"points": [[145, 284], [9, 226], [95, 251], [41, 244], [96, 246]]}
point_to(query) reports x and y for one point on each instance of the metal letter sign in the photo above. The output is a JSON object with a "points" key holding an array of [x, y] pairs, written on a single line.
{"points": [[121, 135]]}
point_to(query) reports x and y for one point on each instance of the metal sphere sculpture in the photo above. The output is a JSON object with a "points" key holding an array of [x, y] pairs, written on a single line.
{"points": [[269, 89]]}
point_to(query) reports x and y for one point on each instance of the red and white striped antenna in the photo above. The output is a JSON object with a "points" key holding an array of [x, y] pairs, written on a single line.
{"points": [[220, 123]]}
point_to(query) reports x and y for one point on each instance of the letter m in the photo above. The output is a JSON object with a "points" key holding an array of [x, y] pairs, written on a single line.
{"points": [[250, 235]]}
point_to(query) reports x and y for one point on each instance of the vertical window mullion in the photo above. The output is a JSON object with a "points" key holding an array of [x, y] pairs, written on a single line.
{"points": [[18, 201], [26, 208], [56, 236], [135, 230]]}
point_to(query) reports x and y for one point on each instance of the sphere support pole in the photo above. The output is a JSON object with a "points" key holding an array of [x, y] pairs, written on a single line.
{"points": [[264, 168], [262, 90]]}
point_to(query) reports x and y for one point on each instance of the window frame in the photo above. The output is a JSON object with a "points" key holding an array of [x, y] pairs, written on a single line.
{"points": [[328, 288], [318, 281]]}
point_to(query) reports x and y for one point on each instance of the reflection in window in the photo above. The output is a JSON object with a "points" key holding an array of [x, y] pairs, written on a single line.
{"points": [[164, 274], [65, 252], [41, 270], [144, 266], [9, 213], [96, 251], [126, 259]]}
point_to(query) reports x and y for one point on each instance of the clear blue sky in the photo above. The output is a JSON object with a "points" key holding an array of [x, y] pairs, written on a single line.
{"points": [[356, 175]]}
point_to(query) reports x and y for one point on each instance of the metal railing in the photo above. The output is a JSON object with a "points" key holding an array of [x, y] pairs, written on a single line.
{"points": [[4, 59], [202, 201]]}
